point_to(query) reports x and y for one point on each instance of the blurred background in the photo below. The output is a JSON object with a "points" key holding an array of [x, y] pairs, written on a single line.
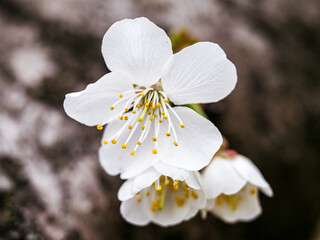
{"points": [[51, 184]]}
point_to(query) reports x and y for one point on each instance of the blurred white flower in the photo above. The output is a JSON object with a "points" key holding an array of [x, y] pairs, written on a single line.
{"points": [[231, 182], [134, 99], [163, 195]]}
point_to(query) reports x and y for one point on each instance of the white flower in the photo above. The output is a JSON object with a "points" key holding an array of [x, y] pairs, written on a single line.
{"points": [[135, 99], [161, 194], [231, 182]]}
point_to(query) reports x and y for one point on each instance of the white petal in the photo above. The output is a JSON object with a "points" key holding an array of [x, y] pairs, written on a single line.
{"points": [[247, 209], [178, 174], [143, 180], [172, 214], [251, 173], [198, 141], [137, 213], [92, 105], [138, 48], [115, 160], [220, 177], [200, 73]]}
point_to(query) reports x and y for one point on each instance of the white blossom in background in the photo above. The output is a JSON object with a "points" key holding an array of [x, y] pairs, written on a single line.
{"points": [[162, 195], [136, 100], [231, 183]]}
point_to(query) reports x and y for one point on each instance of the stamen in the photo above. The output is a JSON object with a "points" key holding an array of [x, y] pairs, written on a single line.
{"points": [[113, 141], [147, 192], [126, 117], [99, 127], [165, 100], [194, 195], [138, 143], [142, 94], [181, 125], [134, 111], [105, 141], [130, 126], [112, 107], [120, 95], [124, 146], [126, 109], [179, 201], [121, 117], [151, 118], [132, 153], [139, 199], [175, 143], [143, 127], [168, 134], [167, 181], [160, 121], [154, 151], [154, 139]]}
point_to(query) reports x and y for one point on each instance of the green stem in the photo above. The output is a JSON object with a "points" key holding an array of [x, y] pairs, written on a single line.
{"points": [[197, 107], [163, 196]]}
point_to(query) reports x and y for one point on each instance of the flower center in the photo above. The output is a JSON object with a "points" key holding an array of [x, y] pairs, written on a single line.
{"points": [[164, 190], [143, 113]]}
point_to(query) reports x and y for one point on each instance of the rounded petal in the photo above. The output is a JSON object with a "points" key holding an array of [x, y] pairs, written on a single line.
{"points": [[92, 105], [178, 174], [251, 173], [246, 206], [200, 73], [138, 48], [198, 141], [143, 180], [172, 214], [116, 160], [137, 213], [221, 178]]}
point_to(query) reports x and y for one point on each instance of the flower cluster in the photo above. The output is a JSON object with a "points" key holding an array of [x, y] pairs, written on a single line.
{"points": [[157, 146]]}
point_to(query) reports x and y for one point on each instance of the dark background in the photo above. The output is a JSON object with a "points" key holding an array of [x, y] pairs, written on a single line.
{"points": [[51, 184]]}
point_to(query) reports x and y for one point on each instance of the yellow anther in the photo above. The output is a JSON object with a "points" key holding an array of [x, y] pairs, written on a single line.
{"points": [[166, 100], [194, 195], [149, 112], [163, 113], [154, 151], [132, 152], [153, 107], [130, 127], [151, 118], [142, 94], [175, 183], [138, 143], [151, 103], [175, 143], [153, 209], [155, 115], [165, 117], [126, 109], [126, 117], [138, 193], [154, 139], [168, 134], [181, 125], [253, 191], [219, 201], [114, 141], [147, 192], [120, 95], [167, 182], [155, 203], [185, 187], [124, 146], [160, 121], [139, 199], [134, 111], [186, 194], [158, 188], [146, 105], [105, 142], [112, 107], [143, 127], [99, 127], [138, 106], [147, 101], [179, 201], [121, 117], [158, 105]]}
